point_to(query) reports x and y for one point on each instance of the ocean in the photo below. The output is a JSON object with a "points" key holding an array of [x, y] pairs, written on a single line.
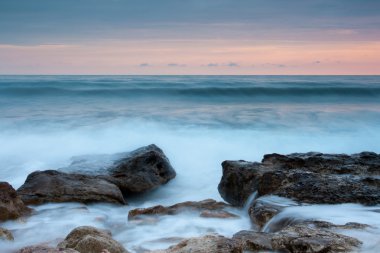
{"points": [[198, 121]]}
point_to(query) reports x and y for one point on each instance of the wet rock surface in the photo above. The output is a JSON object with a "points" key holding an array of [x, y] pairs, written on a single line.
{"points": [[299, 238], [265, 208], [6, 235], [54, 186], [90, 240], [45, 249], [208, 208], [141, 170], [308, 178], [135, 172], [11, 205], [208, 243]]}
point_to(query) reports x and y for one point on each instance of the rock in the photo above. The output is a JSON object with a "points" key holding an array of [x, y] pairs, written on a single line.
{"points": [[91, 240], [141, 170], [299, 238], [54, 186], [265, 208], [253, 241], [45, 249], [84, 181], [11, 205], [207, 208], [238, 181], [308, 178], [217, 214], [283, 222], [208, 243], [329, 225], [6, 235]]}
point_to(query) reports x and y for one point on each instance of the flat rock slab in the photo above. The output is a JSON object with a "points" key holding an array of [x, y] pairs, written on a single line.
{"points": [[45, 249], [299, 238], [308, 178], [208, 208], [208, 243], [11, 205]]}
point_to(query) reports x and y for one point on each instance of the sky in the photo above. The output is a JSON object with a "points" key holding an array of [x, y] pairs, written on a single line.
{"points": [[235, 37]]}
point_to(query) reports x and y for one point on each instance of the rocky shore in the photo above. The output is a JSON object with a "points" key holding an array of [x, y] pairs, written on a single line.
{"points": [[261, 191]]}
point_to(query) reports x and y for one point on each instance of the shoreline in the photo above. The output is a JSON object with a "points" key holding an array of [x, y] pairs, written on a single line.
{"points": [[265, 228]]}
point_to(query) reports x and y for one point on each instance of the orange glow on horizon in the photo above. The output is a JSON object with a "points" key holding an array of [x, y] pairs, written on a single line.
{"points": [[194, 57]]}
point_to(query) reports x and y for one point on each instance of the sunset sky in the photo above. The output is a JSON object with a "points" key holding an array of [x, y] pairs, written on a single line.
{"points": [[190, 37]]}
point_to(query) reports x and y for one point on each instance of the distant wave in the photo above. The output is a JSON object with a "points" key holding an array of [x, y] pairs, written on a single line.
{"points": [[196, 92]]}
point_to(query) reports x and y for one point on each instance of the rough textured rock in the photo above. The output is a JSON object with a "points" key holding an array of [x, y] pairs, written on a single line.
{"points": [[54, 186], [208, 208], [5, 234], [309, 178], [84, 181], [11, 205], [305, 239], [208, 243], [141, 170], [91, 240], [254, 241], [239, 181], [299, 238], [45, 249]]}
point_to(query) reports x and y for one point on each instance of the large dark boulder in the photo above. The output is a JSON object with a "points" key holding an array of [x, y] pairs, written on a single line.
{"points": [[54, 186], [138, 171], [141, 170], [11, 205], [308, 178], [104, 178]]}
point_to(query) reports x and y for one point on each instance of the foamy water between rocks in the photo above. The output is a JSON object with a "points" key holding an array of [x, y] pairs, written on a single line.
{"points": [[46, 135]]}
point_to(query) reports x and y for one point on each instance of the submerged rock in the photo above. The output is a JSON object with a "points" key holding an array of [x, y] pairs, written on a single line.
{"points": [[54, 186], [208, 243], [5, 234], [299, 238], [91, 240], [11, 205], [138, 171], [308, 178], [265, 208], [208, 208]]}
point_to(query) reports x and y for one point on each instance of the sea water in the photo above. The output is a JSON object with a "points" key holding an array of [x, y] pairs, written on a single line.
{"points": [[199, 121]]}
